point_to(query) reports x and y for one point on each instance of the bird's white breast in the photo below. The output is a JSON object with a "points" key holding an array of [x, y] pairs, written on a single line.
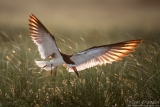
{"points": [[57, 61]]}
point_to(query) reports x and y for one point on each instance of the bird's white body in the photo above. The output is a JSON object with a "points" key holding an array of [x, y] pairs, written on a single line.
{"points": [[57, 61], [51, 64]]}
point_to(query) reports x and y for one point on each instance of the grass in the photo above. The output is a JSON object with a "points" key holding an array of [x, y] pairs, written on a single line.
{"points": [[23, 84]]}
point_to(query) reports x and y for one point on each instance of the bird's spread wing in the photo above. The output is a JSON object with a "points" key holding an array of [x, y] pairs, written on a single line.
{"points": [[42, 38], [103, 54]]}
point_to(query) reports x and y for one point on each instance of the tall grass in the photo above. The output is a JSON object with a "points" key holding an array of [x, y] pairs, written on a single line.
{"points": [[23, 84]]}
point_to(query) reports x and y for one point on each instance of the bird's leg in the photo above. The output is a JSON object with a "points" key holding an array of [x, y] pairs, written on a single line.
{"points": [[55, 72], [51, 68], [75, 70]]}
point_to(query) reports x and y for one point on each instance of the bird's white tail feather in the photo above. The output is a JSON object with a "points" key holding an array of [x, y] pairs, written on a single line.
{"points": [[44, 64]]}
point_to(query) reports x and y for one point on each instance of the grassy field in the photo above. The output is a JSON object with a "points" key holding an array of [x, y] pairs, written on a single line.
{"points": [[78, 25], [131, 81]]}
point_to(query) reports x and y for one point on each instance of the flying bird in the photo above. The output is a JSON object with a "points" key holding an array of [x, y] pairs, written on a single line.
{"points": [[93, 56]]}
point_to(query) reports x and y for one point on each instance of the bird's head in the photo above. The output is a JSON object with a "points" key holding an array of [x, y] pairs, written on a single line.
{"points": [[52, 56]]}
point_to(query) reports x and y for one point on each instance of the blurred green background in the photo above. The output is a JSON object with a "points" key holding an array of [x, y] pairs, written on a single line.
{"points": [[123, 17]]}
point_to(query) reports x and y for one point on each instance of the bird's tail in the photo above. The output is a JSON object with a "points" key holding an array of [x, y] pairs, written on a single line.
{"points": [[44, 64]]}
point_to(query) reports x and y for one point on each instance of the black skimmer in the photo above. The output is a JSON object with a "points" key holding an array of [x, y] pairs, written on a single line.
{"points": [[88, 58]]}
